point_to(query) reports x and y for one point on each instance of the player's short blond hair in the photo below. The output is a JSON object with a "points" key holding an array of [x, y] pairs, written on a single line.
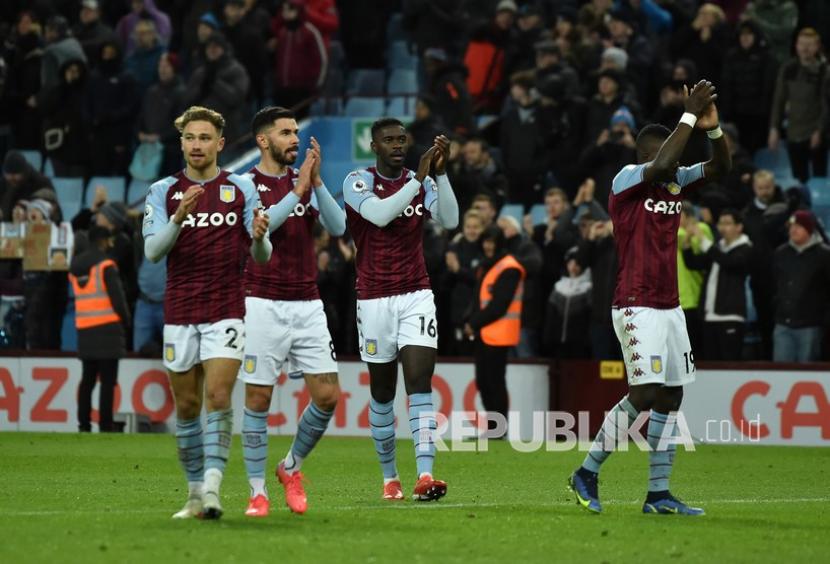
{"points": [[199, 113]]}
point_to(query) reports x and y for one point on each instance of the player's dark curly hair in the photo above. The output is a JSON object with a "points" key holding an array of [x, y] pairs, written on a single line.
{"points": [[384, 122], [266, 117]]}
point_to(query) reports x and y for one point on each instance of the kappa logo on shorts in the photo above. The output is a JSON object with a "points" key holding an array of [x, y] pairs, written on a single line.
{"points": [[638, 372], [371, 347], [169, 352], [249, 364], [629, 327], [633, 341], [656, 364], [635, 357], [227, 193], [628, 312]]}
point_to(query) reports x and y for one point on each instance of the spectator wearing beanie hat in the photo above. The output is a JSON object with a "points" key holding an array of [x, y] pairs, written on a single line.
{"points": [[802, 283], [160, 107]]}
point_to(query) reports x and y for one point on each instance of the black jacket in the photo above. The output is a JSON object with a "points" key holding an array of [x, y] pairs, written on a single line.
{"points": [[748, 80], [724, 292], [103, 341], [530, 257], [461, 285], [802, 284], [601, 257]]}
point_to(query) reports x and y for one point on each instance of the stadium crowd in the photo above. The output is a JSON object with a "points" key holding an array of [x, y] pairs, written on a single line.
{"points": [[95, 85]]}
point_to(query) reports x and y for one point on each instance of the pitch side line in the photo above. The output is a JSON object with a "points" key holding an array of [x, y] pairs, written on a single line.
{"points": [[392, 506]]}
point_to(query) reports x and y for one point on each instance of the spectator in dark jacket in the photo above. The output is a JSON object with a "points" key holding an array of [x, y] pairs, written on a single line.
{"points": [[247, 43], [142, 9], [703, 41], [724, 294], [23, 84], [101, 340], [91, 32], [66, 131], [301, 55], [568, 316], [480, 173], [765, 237], [435, 24], [112, 101], [463, 258], [143, 62], [597, 252], [802, 91], [640, 51], [159, 109], [221, 84], [605, 103], [747, 85], [447, 84], [555, 236], [802, 282], [423, 130], [60, 48], [19, 182]]}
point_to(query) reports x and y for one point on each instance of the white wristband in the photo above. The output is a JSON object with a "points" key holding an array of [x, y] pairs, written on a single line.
{"points": [[689, 119], [715, 133]]}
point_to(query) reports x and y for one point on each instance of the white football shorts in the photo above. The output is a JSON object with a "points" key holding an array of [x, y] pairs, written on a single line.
{"points": [[655, 345], [188, 345], [285, 335], [386, 325]]}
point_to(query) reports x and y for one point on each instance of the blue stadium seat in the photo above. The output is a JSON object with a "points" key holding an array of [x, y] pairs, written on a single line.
{"points": [[823, 214], [326, 107], [513, 210], [70, 192], [400, 57], [366, 82], [137, 192], [776, 161], [364, 107], [115, 185], [401, 106], [403, 81], [34, 158], [48, 168], [539, 214], [819, 187], [70, 210]]}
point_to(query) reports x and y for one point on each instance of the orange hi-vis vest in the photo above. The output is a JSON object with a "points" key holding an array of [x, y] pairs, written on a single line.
{"points": [[503, 332], [93, 306]]}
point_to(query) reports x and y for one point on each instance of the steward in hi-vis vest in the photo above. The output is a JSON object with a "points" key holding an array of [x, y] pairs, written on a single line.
{"points": [[101, 318], [496, 323]]}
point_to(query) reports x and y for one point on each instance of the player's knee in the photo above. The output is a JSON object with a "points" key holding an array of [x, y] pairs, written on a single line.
{"points": [[670, 398], [257, 398], [327, 399], [188, 406], [643, 397], [218, 398]]}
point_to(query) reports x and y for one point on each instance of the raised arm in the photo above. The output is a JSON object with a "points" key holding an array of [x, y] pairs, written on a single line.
{"points": [[444, 208], [160, 234], [332, 217], [664, 166]]}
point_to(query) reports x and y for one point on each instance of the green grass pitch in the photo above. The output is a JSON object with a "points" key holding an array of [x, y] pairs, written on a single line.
{"points": [[108, 498]]}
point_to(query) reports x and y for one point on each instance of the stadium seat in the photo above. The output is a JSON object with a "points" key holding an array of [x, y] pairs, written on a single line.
{"points": [[70, 192], [776, 161], [539, 214], [34, 158], [365, 82], [115, 185], [401, 106], [48, 168], [137, 192], [364, 107], [513, 210], [403, 81], [823, 214], [400, 57], [70, 210], [819, 187], [326, 107]]}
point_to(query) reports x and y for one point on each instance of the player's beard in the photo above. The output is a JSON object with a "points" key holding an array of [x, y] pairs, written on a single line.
{"points": [[280, 158]]}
